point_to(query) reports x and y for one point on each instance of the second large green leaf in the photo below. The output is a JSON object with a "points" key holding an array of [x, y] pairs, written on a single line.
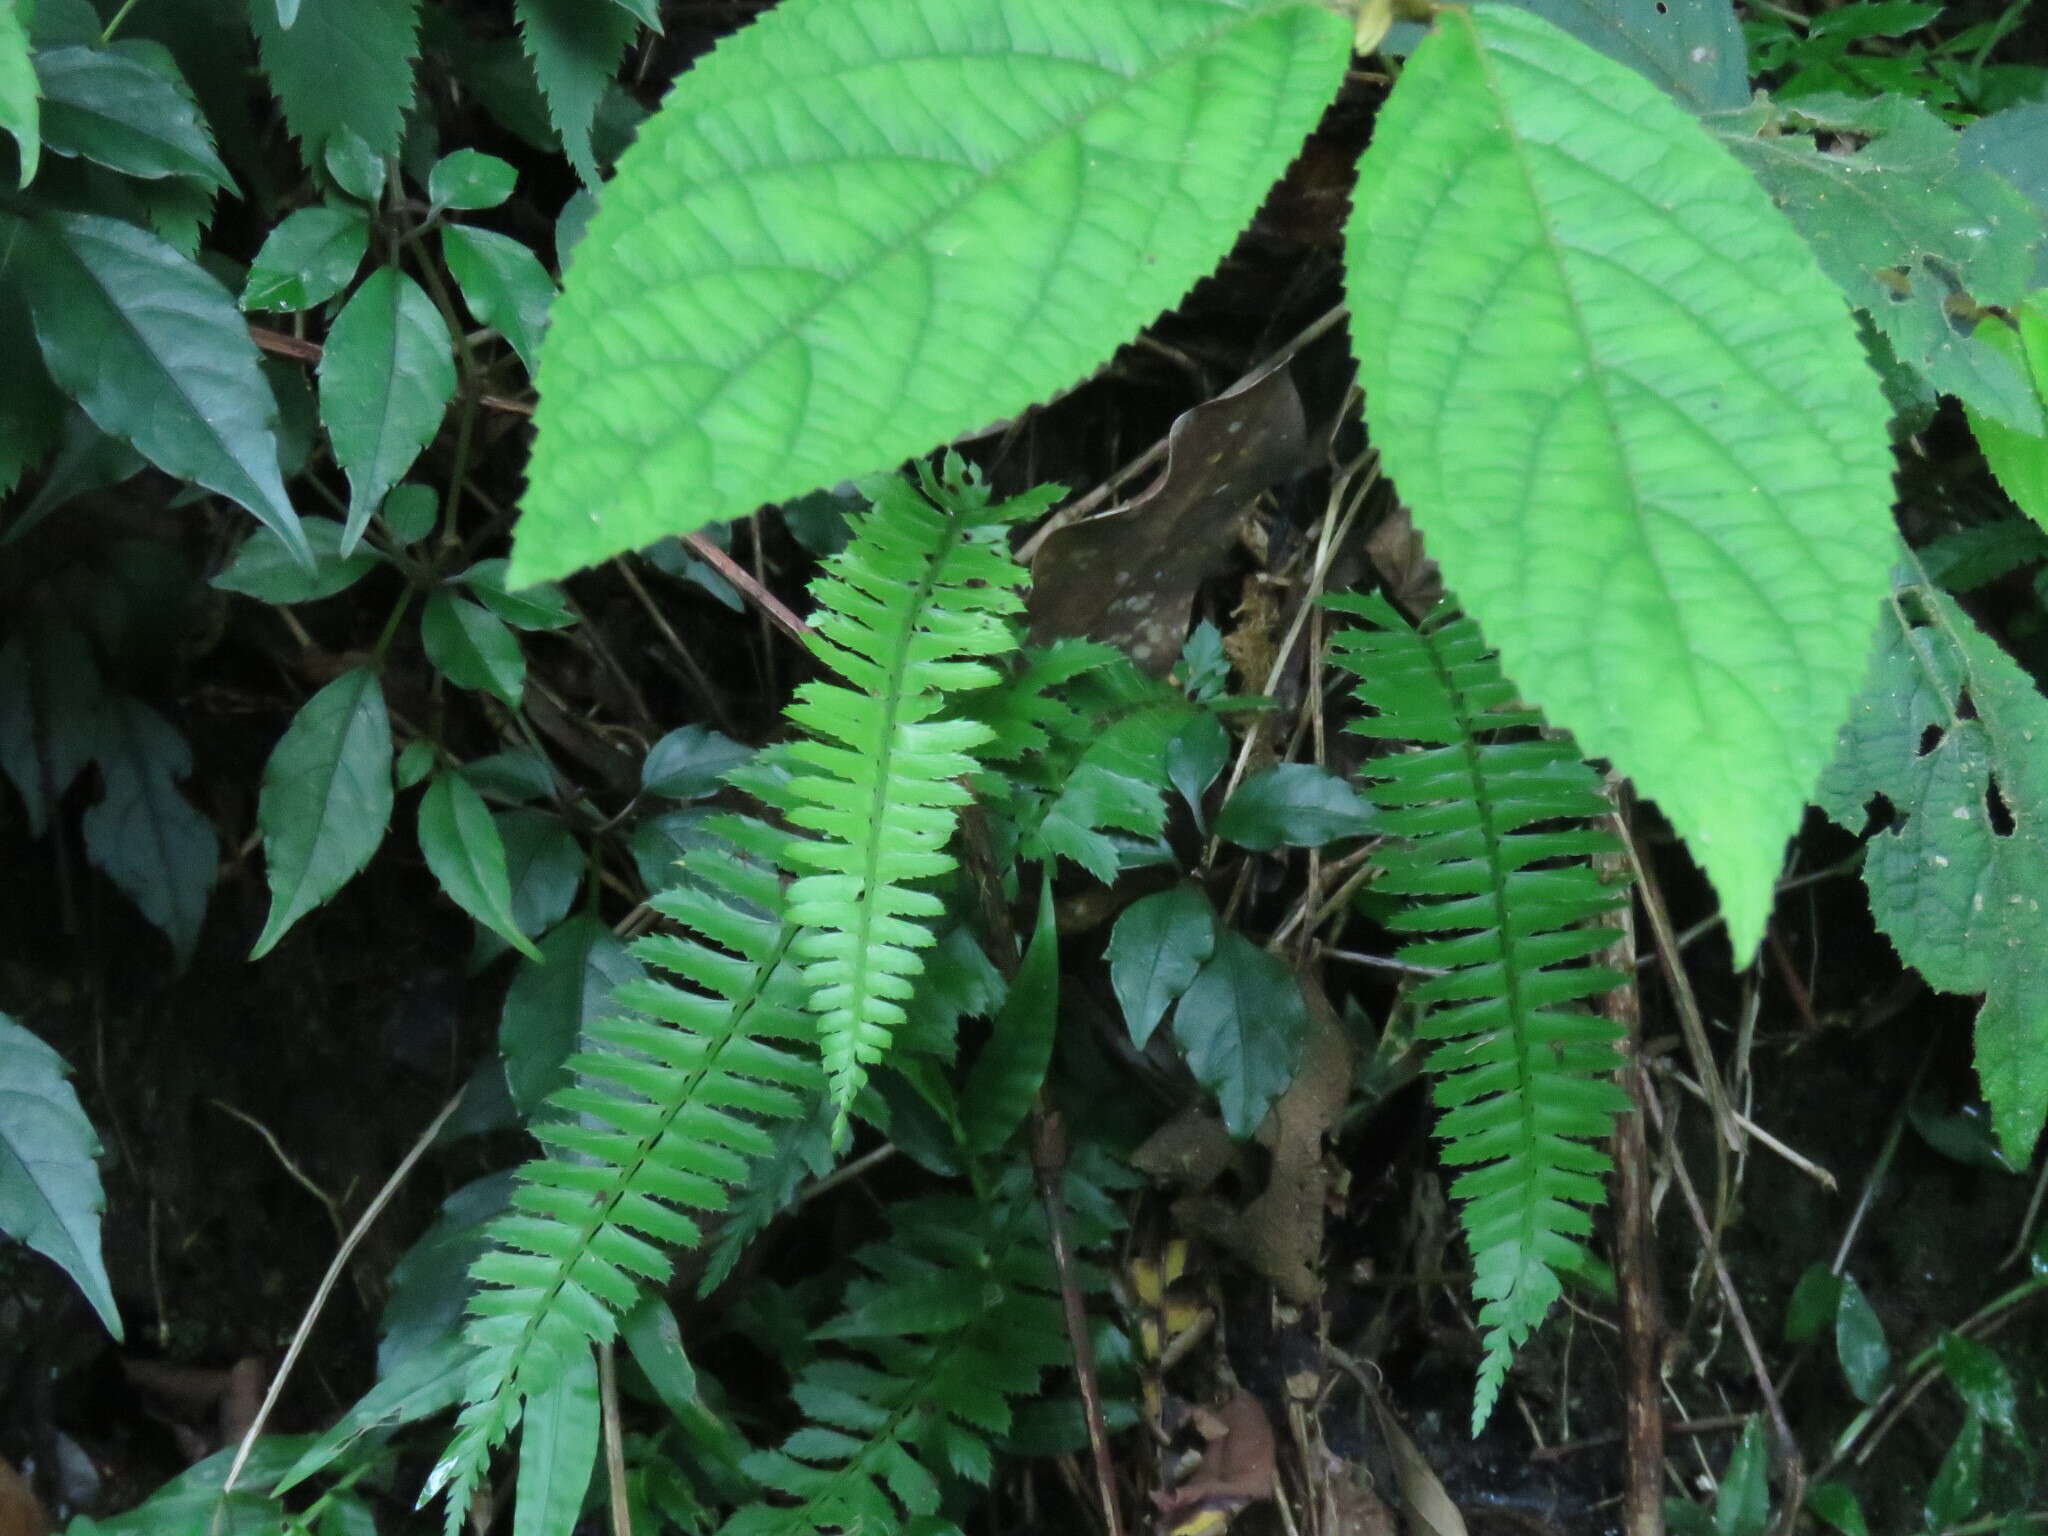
{"points": [[1634, 423], [861, 227]]}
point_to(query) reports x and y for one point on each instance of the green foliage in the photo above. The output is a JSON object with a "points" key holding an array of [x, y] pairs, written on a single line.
{"points": [[341, 66], [20, 113], [909, 273], [912, 612], [575, 47], [1955, 888], [2020, 458], [661, 1120], [49, 1184], [1631, 416], [1513, 902]]}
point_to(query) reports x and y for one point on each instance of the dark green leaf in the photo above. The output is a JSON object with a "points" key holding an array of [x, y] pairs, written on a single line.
{"points": [[307, 259], [575, 48], [155, 351], [429, 1288], [540, 606], [467, 857], [425, 1383], [1815, 1300], [264, 569], [50, 699], [18, 112], [326, 798], [415, 763], [1983, 1381], [354, 167], [1194, 757], [545, 864], [470, 179], [1958, 1486], [1683, 1519], [385, 383], [1244, 1027], [144, 834], [2020, 459], [1297, 805], [1837, 1504], [341, 64], [690, 763], [49, 1184], [1743, 1507], [1860, 1342], [32, 410], [1965, 1134], [1159, 944], [410, 513], [504, 285], [115, 110], [513, 777], [548, 1006], [1007, 1074], [646, 12], [651, 1333], [1692, 50], [660, 845], [472, 647]]}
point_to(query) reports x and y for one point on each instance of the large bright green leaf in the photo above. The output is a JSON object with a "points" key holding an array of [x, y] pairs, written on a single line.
{"points": [[115, 110], [1633, 420], [385, 382], [326, 798], [1958, 880], [153, 348], [467, 857], [19, 115], [341, 64], [1916, 237], [143, 832], [575, 47], [49, 1184], [2020, 459], [859, 228]]}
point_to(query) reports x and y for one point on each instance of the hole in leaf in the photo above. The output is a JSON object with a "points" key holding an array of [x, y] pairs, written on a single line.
{"points": [[1997, 810], [1883, 815], [1929, 740], [1966, 707]]}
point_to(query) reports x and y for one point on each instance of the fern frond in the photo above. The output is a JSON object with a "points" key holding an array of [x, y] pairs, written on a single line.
{"points": [[1523, 1077], [955, 1315], [662, 1116], [910, 614]]}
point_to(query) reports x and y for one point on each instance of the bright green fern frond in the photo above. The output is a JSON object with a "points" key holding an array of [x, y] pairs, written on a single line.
{"points": [[663, 1115], [956, 1315], [911, 613], [1524, 1078]]}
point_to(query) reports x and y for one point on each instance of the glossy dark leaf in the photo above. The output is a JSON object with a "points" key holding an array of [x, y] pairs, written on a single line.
{"points": [[307, 259], [1157, 947], [264, 569], [116, 110], [472, 647], [1244, 1028], [1860, 1343], [549, 1005], [143, 833], [690, 763], [1006, 1076], [467, 856], [1296, 805], [504, 285]]}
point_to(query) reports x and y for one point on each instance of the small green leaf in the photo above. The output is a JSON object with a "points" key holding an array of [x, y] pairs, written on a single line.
{"points": [[1158, 946], [646, 12], [410, 513], [49, 1184], [420, 1386], [1958, 1486], [513, 777], [472, 648], [1837, 1504], [549, 1005], [662, 844], [1194, 757], [545, 865], [1743, 1506], [557, 1450], [341, 64], [354, 167], [144, 834], [115, 110], [1083, 178], [467, 857], [2020, 459], [1244, 1028], [1860, 1342], [1815, 1300], [1006, 1076], [575, 47], [1982, 1380], [19, 114], [540, 606], [1297, 805], [415, 763], [265, 570], [326, 798], [1684, 1519], [690, 763], [469, 179], [307, 259], [504, 285], [154, 350], [385, 383], [1630, 414]]}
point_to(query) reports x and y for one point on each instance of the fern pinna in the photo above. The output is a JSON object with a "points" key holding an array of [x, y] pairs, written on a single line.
{"points": [[955, 1315], [910, 613], [1486, 830], [663, 1116]]}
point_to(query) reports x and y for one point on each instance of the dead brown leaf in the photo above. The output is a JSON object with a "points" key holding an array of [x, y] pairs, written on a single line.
{"points": [[1236, 1469]]}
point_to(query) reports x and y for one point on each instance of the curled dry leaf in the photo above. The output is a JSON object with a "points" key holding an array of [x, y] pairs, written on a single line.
{"points": [[1237, 1468]]}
